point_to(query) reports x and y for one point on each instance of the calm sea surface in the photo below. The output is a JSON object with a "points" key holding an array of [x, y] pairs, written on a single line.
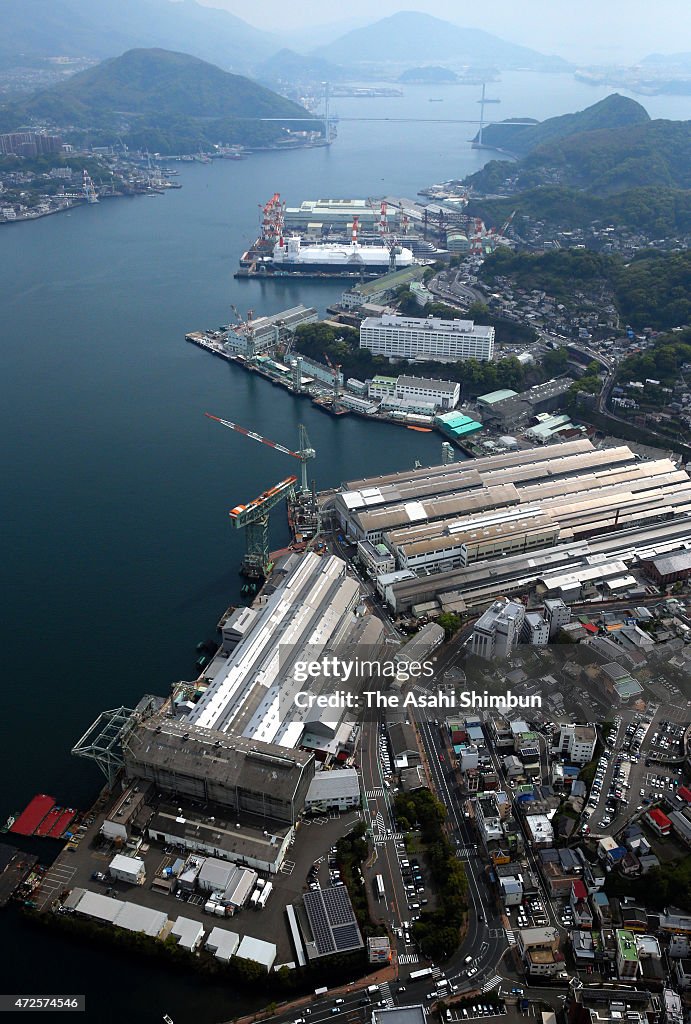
{"points": [[117, 552]]}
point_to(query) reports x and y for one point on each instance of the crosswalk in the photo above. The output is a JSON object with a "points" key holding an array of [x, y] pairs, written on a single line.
{"points": [[385, 838], [465, 852], [492, 983], [510, 937], [408, 958], [386, 994], [371, 794]]}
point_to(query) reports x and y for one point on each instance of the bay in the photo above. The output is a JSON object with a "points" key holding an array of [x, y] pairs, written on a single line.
{"points": [[117, 551]]}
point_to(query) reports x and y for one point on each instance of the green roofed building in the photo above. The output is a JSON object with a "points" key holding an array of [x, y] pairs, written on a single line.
{"points": [[492, 397], [457, 425]]}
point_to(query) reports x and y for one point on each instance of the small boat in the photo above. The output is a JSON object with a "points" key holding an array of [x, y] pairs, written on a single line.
{"points": [[421, 430], [10, 822], [167, 1019]]}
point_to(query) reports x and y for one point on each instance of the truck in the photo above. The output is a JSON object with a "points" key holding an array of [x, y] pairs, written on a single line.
{"points": [[321, 991], [372, 989], [264, 895]]}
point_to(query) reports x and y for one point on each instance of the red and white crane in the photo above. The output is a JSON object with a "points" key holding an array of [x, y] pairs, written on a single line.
{"points": [[306, 450]]}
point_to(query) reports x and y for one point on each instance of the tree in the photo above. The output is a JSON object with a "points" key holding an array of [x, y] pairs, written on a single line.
{"points": [[450, 623]]}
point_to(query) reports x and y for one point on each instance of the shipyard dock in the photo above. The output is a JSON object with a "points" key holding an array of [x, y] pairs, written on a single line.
{"points": [[310, 380]]}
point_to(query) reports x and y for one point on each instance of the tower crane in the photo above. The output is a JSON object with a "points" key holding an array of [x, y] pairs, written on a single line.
{"points": [[305, 453], [254, 516], [336, 371]]}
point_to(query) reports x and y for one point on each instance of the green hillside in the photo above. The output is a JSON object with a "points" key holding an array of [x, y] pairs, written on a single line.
{"points": [[39, 29], [649, 291], [164, 101], [594, 152], [657, 212], [614, 111]]}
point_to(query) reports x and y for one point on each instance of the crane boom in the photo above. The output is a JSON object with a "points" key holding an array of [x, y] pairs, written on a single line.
{"points": [[255, 437]]}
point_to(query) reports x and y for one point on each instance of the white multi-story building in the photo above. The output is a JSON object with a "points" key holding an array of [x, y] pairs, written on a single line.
{"points": [[430, 338], [416, 391], [497, 631], [557, 614], [535, 630], [578, 741], [444, 394]]}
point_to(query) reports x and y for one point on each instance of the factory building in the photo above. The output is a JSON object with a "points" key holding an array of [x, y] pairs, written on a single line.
{"points": [[425, 339], [507, 410], [266, 332], [208, 766], [321, 214], [246, 746], [415, 392], [211, 831], [251, 694], [334, 791], [669, 568], [457, 425], [563, 522]]}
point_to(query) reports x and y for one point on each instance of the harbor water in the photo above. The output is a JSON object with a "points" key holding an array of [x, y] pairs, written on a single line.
{"points": [[117, 550]]}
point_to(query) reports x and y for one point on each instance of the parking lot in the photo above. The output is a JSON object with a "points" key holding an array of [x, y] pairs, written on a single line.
{"points": [[474, 1011], [628, 777], [529, 914], [87, 867]]}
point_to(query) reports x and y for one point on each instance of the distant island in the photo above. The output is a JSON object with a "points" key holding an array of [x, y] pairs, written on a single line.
{"points": [[428, 75], [164, 102]]}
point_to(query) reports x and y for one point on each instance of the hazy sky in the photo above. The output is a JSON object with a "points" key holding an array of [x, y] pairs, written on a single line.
{"points": [[579, 30]]}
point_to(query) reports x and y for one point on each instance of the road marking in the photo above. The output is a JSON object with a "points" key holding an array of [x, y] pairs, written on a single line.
{"points": [[386, 994], [54, 881], [287, 867]]}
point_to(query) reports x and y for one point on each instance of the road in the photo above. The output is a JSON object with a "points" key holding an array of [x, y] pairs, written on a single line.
{"points": [[486, 939]]}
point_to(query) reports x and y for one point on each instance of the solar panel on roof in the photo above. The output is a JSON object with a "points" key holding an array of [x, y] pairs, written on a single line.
{"points": [[332, 920]]}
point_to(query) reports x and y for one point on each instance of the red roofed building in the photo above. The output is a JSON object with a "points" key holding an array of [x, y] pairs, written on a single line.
{"points": [[582, 914], [685, 793], [659, 821]]}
